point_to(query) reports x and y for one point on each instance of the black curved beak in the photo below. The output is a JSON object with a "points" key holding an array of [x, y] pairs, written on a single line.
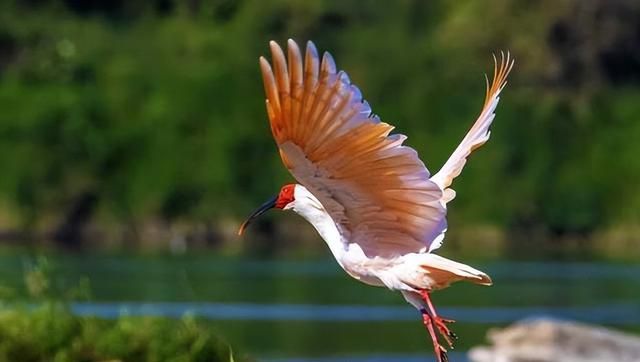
{"points": [[259, 211]]}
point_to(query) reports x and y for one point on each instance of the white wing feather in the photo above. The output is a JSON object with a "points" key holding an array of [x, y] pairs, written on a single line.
{"points": [[479, 132], [476, 137]]}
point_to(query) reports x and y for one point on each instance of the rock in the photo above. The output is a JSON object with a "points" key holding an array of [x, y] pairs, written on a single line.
{"points": [[546, 340]]}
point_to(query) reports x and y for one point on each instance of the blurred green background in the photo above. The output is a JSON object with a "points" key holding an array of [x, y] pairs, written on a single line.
{"points": [[138, 129]]}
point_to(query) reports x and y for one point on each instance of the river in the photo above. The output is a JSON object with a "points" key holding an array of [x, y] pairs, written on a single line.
{"points": [[309, 311]]}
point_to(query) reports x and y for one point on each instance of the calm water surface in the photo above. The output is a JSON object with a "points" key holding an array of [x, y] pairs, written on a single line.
{"points": [[309, 311]]}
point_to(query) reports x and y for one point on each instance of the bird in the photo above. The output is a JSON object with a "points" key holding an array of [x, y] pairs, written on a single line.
{"points": [[367, 194]]}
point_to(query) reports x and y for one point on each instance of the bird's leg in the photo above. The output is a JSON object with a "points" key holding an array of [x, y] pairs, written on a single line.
{"points": [[441, 353], [441, 323]]}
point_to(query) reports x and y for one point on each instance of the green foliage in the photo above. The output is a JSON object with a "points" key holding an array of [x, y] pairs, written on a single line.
{"points": [[47, 329], [50, 332], [157, 108], [42, 283]]}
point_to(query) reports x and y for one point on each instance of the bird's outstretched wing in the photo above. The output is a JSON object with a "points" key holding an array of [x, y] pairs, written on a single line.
{"points": [[479, 132], [376, 190]]}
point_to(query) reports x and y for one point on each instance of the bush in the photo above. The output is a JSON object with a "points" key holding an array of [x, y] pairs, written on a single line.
{"points": [[50, 332], [44, 328]]}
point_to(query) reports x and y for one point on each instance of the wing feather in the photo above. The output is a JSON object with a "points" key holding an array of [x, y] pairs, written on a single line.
{"points": [[476, 137], [376, 190], [479, 132]]}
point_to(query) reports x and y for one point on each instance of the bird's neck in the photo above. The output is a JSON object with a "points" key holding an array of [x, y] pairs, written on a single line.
{"points": [[316, 215]]}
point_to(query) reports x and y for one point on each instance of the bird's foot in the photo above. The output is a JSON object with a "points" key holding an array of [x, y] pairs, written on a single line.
{"points": [[445, 332], [440, 351], [439, 322]]}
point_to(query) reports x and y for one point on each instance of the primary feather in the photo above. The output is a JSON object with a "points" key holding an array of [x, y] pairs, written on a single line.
{"points": [[479, 132], [376, 190]]}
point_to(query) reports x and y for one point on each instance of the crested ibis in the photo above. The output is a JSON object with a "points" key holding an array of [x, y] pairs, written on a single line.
{"points": [[370, 197]]}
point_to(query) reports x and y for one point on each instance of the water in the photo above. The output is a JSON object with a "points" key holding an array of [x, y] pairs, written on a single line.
{"points": [[309, 311], [620, 314], [453, 356]]}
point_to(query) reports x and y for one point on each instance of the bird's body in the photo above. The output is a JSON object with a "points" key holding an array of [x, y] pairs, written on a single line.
{"points": [[369, 196], [411, 272]]}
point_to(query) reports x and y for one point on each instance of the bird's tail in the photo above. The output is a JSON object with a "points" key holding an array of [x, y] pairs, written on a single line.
{"points": [[437, 272]]}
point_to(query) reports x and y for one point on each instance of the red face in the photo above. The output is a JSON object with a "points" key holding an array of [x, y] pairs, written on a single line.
{"points": [[285, 197]]}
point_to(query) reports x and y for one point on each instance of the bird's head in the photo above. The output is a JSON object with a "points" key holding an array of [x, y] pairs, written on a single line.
{"points": [[285, 200]]}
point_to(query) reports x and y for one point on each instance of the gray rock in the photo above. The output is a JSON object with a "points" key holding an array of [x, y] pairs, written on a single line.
{"points": [[546, 340]]}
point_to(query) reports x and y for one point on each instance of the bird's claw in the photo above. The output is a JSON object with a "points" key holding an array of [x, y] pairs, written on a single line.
{"points": [[443, 357], [441, 323], [445, 332], [448, 339]]}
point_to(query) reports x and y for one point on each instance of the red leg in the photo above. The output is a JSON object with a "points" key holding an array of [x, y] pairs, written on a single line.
{"points": [[441, 353], [440, 322]]}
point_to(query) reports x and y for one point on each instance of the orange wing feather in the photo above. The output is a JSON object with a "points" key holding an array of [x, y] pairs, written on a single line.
{"points": [[376, 190]]}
